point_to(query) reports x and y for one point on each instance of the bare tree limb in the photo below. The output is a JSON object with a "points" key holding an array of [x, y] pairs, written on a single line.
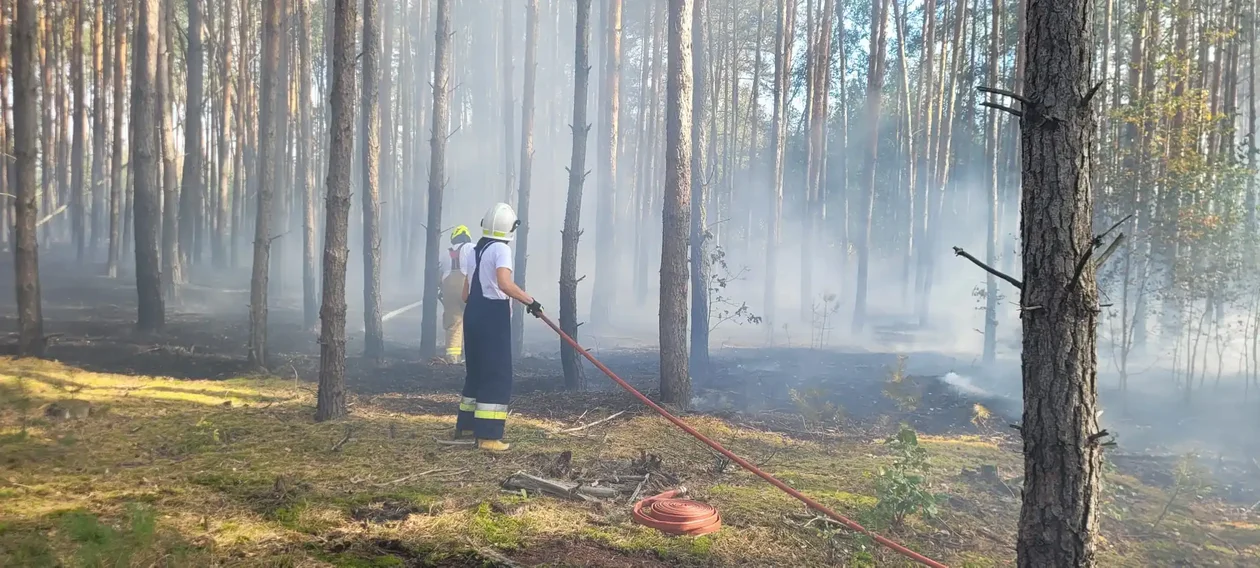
{"points": [[958, 251], [1003, 108], [1090, 95], [1115, 244], [1005, 93]]}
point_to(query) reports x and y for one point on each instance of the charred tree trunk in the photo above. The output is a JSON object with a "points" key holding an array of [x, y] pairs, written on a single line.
{"points": [[116, 182], [78, 210], [26, 249], [606, 226], [331, 400], [437, 175], [306, 146], [374, 337], [144, 168], [1062, 453], [874, 88], [269, 107], [191, 196], [527, 167], [574, 379], [699, 259], [675, 376]]}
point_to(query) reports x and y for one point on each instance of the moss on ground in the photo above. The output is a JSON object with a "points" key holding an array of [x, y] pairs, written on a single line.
{"points": [[235, 472]]}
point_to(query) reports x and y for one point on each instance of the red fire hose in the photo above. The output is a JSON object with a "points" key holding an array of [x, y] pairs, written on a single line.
{"points": [[812, 504], [677, 516]]}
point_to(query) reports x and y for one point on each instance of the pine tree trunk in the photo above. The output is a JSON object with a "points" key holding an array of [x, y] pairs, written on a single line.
{"points": [[991, 242], [874, 87], [509, 120], [7, 184], [191, 197], [606, 270], [778, 131], [817, 157], [1253, 36], [268, 116], [78, 211], [437, 175], [331, 399], [99, 129], [374, 338], [388, 162], [143, 160], [699, 257], [117, 182], [219, 251], [26, 250], [676, 213], [171, 269], [306, 147], [47, 61], [1062, 455], [574, 379], [245, 102], [527, 168]]}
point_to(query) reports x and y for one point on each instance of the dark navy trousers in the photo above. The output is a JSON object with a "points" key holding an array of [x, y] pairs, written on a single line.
{"points": [[487, 359]]}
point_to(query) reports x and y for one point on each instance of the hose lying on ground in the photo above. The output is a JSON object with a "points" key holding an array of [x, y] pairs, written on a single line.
{"points": [[812, 504], [677, 516]]}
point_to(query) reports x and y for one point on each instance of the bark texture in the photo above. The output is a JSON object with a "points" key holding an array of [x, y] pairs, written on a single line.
{"points": [[573, 376], [1059, 518], [116, 160], [331, 400], [374, 336], [527, 166], [675, 374], [191, 194], [606, 259], [699, 257], [269, 111], [144, 167], [25, 144], [437, 175]]}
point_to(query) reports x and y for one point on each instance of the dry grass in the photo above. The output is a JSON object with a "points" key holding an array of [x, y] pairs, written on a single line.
{"points": [[236, 473]]}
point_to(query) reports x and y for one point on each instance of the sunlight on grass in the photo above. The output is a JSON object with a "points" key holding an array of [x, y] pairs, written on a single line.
{"points": [[163, 469]]}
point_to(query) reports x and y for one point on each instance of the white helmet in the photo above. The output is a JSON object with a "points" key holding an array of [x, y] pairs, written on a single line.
{"points": [[500, 222]]}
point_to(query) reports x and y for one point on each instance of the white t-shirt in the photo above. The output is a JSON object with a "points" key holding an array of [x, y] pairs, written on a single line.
{"points": [[459, 254], [497, 255]]}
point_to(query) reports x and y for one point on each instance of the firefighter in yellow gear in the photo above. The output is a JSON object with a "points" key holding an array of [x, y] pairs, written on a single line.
{"points": [[453, 276]]}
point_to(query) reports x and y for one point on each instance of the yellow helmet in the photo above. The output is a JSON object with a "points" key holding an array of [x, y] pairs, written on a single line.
{"points": [[461, 231]]}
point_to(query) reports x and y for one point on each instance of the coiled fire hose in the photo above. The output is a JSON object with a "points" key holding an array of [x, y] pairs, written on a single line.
{"points": [[677, 516], [812, 504]]}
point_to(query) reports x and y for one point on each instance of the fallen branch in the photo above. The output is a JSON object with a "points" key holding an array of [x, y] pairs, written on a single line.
{"points": [[499, 559], [595, 423], [958, 251], [1224, 542], [344, 439], [407, 478]]}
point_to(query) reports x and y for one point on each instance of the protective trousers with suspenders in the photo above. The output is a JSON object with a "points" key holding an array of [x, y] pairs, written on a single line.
{"points": [[488, 358]]}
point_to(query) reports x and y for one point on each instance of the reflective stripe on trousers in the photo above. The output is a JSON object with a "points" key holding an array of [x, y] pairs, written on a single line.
{"points": [[488, 358]]}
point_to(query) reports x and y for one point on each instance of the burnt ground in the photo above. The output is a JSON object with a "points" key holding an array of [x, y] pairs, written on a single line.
{"points": [[91, 319], [799, 392]]}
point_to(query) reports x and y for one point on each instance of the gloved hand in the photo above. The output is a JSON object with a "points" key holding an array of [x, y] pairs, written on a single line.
{"points": [[534, 309]]}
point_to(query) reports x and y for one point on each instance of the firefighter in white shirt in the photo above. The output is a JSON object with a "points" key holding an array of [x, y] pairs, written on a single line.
{"points": [[488, 293]]}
